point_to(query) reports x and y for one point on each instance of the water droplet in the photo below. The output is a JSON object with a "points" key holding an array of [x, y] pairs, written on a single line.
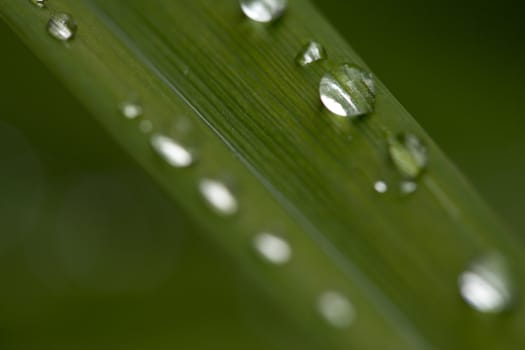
{"points": [[310, 53], [172, 152], [62, 27], [39, 3], [409, 154], [263, 11], [219, 197], [486, 285], [407, 187], [272, 248], [131, 110], [381, 187], [146, 126], [348, 91], [336, 309]]}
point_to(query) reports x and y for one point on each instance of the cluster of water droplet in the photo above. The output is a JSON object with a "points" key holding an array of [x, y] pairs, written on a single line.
{"points": [[347, 91]]}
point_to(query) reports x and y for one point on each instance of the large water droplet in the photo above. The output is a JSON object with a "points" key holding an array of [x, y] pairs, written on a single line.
{"points": [[409, 154], [336, 309], [348, 91], [272, 248], [172, 152], [486, 285], [131, 110], [39, 3], [310, 53], [263, 10], [61, 26], [219, 197]]}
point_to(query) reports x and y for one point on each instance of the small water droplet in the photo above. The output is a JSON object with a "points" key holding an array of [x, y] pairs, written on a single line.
{"points": [[336, 309], [409, 154], [131, 110], [407, 187], [172, 152], [310, 53], [62, 26], [219, 197], [348, 91], [381, 187], [272, 248], [486, 285], [263, 11], [39, 3], [146, 126]]}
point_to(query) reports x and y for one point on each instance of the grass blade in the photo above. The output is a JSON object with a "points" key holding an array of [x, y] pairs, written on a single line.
{"points": [[256, 122]]}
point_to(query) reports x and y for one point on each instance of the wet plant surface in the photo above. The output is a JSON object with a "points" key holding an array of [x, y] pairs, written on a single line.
{"points": [[257, 151]]}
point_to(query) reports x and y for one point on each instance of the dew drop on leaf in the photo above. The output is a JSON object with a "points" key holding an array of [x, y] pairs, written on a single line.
{"points": [[131, 110], [336, 309], [407, 187], [263, 11], [272, 248], [409, 155], [146, 126], [172, 152], [348, 91], [311, 53], [62, 26], [219, 197], [380, 187], [486, 285]]}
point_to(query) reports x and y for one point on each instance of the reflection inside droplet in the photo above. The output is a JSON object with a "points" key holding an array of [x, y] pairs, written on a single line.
{"points": [[348, 91], [263, 10], [61, 26], [39, 3], [218, 196], [272, 248]]}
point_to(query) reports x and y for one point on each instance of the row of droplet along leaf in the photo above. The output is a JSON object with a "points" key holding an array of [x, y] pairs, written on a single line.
{"points": [[346, 91]]}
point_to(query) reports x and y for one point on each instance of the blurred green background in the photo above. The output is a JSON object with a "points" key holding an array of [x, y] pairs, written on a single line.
{"points": [[93, 254]]}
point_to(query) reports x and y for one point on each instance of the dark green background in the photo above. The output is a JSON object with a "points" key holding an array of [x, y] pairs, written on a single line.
{"points": [[458, 68]]}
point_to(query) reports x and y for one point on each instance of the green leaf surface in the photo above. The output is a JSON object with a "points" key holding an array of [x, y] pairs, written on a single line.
{"points": [[256, 122]]}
